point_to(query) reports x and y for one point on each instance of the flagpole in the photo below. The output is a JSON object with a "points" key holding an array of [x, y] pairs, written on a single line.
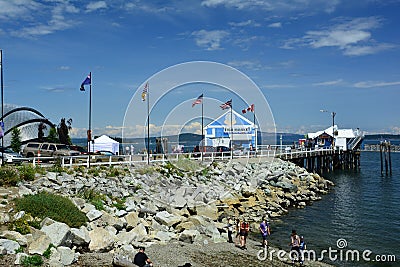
{"points": [[90, 115], [231, 143], [148, 124], [202, 126], [2, 106], [255, 129]]}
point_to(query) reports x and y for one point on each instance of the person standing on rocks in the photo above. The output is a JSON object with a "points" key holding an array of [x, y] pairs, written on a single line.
{"points": [[230, 230], [141, 259], [295, 244], [237, 229], [244, 232], [265, 231]]}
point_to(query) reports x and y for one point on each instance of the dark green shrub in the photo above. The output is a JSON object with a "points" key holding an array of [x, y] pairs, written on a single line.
{"points": [[27, 172], [9, 176], [47, 252], [31, 261], [56, 207]]}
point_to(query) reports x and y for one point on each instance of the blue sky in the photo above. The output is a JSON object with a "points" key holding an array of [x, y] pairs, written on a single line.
{"points": [[304, 56]]}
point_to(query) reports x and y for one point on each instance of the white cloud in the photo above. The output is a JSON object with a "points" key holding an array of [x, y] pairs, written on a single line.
{"points": [[55, 21], [211, 40], [352, 36], [277, 86], [245, 23], [275, 25], [328, 83], [275, 5], [252, 65], [64, 68], [93, 6], [371, 84], [18, 9]]}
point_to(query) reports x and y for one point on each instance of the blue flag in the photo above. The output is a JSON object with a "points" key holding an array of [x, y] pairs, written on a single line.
{"points": [[88, 80]]}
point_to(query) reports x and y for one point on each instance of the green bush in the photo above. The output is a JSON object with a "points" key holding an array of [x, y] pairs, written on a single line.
{"points": [[47, 252], [21, 226], [31, 261], [9, 176], [27, 172], [56, 207]]}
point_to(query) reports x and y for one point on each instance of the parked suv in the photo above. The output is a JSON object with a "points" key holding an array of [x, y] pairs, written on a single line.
{"points": [[47, 150]]}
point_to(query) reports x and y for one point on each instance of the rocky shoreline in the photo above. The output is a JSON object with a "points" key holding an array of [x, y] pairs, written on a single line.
{"points": [[163, 206]]}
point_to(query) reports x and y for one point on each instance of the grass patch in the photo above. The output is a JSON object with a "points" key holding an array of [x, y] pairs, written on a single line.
{"points": [[31, 261], [56, 207], [95, 198], [47, 252]]}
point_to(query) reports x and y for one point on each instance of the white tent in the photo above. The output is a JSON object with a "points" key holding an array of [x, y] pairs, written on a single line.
{"points": [[105, 143]]}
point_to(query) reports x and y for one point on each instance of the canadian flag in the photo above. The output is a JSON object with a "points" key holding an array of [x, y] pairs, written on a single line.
{"points": [[249, 109]]}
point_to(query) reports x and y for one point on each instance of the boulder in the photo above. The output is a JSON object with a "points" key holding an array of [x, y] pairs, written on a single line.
{"points": [[139, 233], [12, 235], [188, 236], [58, 233], [9, 245], [79, 237], [67, 255], [209, 211], [132, 219], [166, 218], [93, 214], [39, 243], [100, 240]]}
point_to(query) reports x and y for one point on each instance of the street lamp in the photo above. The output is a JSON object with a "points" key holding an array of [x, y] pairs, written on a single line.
{"points": [[333, 125]]}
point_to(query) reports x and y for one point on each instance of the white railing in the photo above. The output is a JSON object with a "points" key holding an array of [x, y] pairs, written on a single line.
{"points": [[83, 160]]}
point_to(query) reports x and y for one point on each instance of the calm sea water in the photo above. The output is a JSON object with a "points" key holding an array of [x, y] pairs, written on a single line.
{"points": [[363, 208]]}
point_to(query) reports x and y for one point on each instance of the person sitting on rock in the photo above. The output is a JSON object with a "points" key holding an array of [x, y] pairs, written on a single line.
{"points": [[141, 259]]}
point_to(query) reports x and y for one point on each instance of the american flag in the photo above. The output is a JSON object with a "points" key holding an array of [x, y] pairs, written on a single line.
{"points": [[227, 104], [249, 109], [145, 90], [198, 100]]}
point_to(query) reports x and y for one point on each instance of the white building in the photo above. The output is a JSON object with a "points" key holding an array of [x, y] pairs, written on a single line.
{"points": [[220, 132]]}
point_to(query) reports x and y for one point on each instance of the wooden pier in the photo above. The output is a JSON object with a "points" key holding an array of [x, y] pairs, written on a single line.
{"points": [[323, 160]]}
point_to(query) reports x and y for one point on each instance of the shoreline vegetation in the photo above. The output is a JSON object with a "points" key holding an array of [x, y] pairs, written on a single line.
{"points": [[179, 212]]}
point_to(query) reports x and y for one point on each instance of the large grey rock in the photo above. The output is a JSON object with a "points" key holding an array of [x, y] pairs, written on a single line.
{"points": [[166, 218], [188, 236], [125, 238], [9, 245], [112, 221], [38, 243], [100, 240], [67, 255], [55, 258], [12, 235], [132, 219], [93, 214], [164, 236], [79, 237], [210, 211], [58, 233], [23, 191], [139, 233]]}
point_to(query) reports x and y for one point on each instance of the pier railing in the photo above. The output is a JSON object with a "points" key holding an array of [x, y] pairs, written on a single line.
{"points": [[267, 152]]}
